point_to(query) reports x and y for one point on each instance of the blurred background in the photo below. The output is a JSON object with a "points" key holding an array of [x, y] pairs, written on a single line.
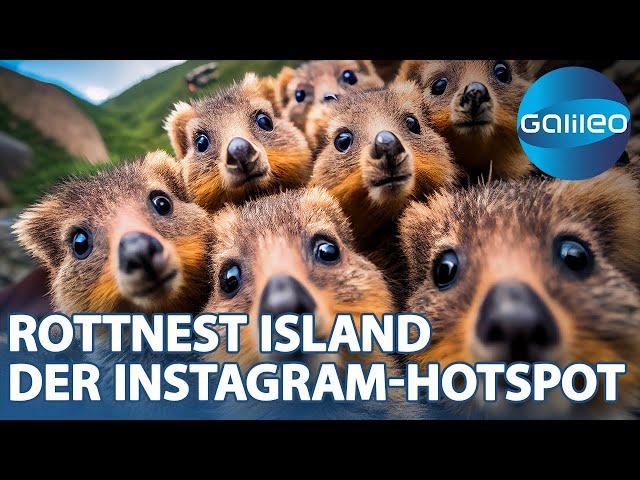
{"points": [[61, 118]]}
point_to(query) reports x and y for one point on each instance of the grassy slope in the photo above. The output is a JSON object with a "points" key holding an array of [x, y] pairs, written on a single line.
{"points": [[131, 124]]}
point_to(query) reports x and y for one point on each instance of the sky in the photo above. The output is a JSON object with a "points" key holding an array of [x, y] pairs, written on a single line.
{"points": [[92, 80]]}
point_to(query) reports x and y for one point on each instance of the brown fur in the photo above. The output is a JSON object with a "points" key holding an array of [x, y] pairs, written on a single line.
{"points": [[318, 78], [492, 146], [272, 236], [110, 204], [505, 231], [284, 153], [373, 211]]}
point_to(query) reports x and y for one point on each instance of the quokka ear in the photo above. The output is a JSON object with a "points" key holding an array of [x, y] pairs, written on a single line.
{"points": [[163, 166], [176, 126], [38, 232], [264, 87], [410, 71], [366, 66], [281, 83], [529, 69]]}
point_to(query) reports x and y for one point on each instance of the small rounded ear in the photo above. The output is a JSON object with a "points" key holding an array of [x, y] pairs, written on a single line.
{"points": [[38, 232], [164, 167], [264, 87], [176, 126], [282, 82], [410, 71], [366, 66], [529, 68]]}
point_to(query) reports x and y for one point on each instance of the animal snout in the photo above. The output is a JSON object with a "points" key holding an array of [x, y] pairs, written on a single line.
{"points": [[140, 252], [474, 95], [388, 149], [284, 294], [330, 97], [241, 155], [515, 320]]}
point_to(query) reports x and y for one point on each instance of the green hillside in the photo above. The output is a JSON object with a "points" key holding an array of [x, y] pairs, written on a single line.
{"points": [[50, 162], [130, 124]]}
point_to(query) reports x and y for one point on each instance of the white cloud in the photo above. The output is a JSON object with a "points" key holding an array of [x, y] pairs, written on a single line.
{"points": [[95, 94]]}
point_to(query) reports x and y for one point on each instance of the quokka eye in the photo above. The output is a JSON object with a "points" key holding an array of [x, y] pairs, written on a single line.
{"points": [[230, 279], [343, 141], [264, 122], [81, 243], [439, 86], [325, 251], [501, 72], [300, 95], [202, 143], [445, 269], [574, 254], [161, 203], [349, 77], [412, 124]]}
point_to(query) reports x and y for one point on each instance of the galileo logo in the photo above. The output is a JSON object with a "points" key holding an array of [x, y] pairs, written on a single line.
{"points": [[573, 123]]}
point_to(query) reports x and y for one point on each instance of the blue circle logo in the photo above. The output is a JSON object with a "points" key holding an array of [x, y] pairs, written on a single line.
{"points": [[573, 123]]}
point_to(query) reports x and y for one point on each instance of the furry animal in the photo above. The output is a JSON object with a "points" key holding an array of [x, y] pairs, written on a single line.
{"points": [[304, 92], [126, 239], [535, 270], [234, 146], [379, 152], [291, 253], [474, 104]]}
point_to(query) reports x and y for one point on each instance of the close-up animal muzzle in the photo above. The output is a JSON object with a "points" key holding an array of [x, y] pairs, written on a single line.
{"points": [[143, 265], [243, 162], [515, 324], [475, 104], [389, 159]]}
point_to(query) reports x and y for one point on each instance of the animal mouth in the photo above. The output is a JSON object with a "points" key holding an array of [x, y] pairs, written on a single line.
{"points": [[391, 181], [240, 179], [156, 286], [472, 123]]}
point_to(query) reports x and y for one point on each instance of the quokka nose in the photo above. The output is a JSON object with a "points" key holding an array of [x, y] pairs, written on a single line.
{"points": [[474, 95], [140, 252], [387, 147], [241, 155], [514, 317], [285, 294], [330, 97]]}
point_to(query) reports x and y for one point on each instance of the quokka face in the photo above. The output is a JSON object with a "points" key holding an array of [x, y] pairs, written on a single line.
{"points": [[304, 92], [291, 253], [126, 239], [474, 104], [233, 146], [379, 152], [531, 271]]}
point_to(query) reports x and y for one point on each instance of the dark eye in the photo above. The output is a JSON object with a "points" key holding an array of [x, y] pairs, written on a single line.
{"points": [[445, 269], [81, 243], [574, 254], [413, 125], [502, 72], [300, 95], [161, 203], [230, 278], [439, 86], [343, 141], [264, 122], [349, 76], [326, 251], [202, 143]]}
